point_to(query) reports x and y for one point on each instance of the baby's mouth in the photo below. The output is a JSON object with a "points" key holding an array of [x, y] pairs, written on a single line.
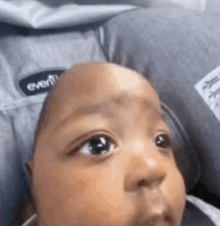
{"points": [[154, 220], [157, 216], [153, 210]]}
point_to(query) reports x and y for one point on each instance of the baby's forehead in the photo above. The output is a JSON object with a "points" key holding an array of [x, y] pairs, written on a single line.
{"points": [[89, 87]]}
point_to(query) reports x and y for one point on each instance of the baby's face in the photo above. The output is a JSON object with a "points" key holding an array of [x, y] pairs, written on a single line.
{"points": [[104, 157]]}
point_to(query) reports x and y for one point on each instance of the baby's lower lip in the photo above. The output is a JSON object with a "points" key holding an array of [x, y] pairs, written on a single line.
{"points": [[147, 223], [156, 224], [161, 221]]}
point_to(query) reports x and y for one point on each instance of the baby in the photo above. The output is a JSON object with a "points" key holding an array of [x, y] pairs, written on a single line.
{"points": [[103, 153]]}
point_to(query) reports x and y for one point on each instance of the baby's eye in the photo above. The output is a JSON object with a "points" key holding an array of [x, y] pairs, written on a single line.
{"points": [[163, 141], [98, 145]]}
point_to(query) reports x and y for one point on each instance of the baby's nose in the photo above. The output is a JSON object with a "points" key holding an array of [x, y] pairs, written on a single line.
{"points": [[145, 169]]}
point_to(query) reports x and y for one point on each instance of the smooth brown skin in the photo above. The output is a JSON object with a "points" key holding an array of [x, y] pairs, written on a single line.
{"points": [[135, 182]]}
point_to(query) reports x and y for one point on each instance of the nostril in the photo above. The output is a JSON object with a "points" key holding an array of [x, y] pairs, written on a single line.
{"points": [[143, 183], [167, 218], [151, 183]]}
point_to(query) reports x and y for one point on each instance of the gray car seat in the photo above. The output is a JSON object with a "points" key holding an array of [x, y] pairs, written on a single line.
{"points": [[37, 43]]}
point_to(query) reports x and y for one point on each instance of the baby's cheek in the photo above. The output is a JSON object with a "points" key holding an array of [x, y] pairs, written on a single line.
{"points": [[176, 195], [98, 205], [88, 193]]}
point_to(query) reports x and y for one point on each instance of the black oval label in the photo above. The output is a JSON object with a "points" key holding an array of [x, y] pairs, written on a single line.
{"points": [[40, 82]]}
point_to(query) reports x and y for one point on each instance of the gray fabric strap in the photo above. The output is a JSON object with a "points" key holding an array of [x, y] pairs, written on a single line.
{"points": [[195, 217]]}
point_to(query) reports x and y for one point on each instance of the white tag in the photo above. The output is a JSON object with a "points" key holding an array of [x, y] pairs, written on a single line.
{"points": [[209, 89]]}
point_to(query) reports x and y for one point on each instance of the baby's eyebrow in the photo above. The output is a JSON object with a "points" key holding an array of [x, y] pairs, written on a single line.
{"points": [[120, 101]]}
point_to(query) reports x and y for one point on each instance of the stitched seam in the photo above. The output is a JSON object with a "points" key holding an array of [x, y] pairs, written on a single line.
{"points": [[23, 103]]}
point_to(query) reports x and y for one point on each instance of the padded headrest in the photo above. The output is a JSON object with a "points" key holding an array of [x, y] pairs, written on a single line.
{"points": [[184, 153]]}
